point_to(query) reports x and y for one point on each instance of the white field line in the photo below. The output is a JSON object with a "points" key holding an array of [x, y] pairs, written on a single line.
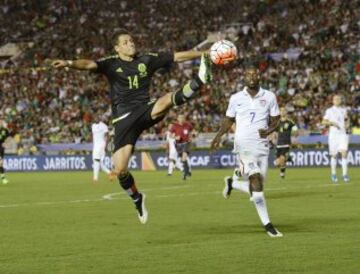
{"points": [[114, 196]]}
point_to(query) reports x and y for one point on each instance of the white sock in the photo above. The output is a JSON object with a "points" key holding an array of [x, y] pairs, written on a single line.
{"points": [[104, 168], [188, 162], [333, 165], [170, 167], [260, 204], [344, 164], [96, 169], [241, 185]]}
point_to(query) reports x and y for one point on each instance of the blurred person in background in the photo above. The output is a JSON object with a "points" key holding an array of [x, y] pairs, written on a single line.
{"points": [[182, 132], [4, 134], [99, 132], [336, 118]]}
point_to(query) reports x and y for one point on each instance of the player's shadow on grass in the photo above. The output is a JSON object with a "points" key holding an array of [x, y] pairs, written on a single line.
{"points": [[319, 224], [223, 229], [290, 195]]}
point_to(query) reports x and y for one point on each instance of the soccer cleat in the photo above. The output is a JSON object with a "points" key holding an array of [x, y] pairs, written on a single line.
{"points": [[228, 187], [237, 172], [334, 178], [5, 181], [272, 231], [346, 178], [140, 207], [282, 175], [205, 69]]}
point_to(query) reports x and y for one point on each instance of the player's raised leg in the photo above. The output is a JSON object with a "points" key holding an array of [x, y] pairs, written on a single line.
{"points": [[189, 91], [121, 160], [235, 182]]}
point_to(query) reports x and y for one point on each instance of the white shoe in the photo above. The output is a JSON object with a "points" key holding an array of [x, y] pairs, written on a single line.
{"points": [[227, 188], [272, 231], [205, 69], [141, 208]]}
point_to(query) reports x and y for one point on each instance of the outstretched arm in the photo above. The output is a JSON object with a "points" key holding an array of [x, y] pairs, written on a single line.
{"points": [[81, 64], [226, 125], [182, 56]]}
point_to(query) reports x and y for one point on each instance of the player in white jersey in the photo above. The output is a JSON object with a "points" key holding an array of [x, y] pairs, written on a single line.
{"points": [[173, 155], [99, 133], [336, 118], [255, 112]]}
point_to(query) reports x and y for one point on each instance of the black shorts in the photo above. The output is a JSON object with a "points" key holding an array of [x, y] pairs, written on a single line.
{"points": [[133, 123], [182, 147], [282, 151]]}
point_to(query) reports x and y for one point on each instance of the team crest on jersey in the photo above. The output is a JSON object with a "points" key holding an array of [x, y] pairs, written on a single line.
{"points": [[263, 103], [119, 69], [142, 69]]}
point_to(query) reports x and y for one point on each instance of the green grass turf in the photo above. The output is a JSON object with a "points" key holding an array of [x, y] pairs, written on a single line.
{"points": [[59, 223]]}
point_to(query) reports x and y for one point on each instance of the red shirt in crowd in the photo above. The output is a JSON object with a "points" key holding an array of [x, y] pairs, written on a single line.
{"points": [[182, 132]]}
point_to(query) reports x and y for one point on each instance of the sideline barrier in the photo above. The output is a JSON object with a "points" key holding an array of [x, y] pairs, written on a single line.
{"points": [[204, 142], [159, 160]]}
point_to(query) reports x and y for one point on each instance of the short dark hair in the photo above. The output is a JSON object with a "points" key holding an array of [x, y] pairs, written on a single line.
{"points": [[118, 33]]}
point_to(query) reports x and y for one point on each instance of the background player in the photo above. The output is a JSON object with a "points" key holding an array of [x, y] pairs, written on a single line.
{"points": [[99, 133], [4, 133], [129, 74], [182, 131], [286, 129], [256, 114], [337, 119], [173, 155]]}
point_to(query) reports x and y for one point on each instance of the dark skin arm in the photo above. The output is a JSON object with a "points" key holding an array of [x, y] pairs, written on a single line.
{"points": [[226, 125], [273, 125]]}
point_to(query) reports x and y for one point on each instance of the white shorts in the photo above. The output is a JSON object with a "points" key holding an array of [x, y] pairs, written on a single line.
{"points": [[337, 143], [98, 153], [251, 164], [173, 155]]}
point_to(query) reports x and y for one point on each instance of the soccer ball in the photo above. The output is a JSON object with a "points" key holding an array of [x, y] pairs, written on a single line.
{"points": [[223, 52]]}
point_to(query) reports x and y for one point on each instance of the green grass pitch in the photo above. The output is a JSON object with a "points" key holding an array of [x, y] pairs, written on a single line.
{"points": [[63, 223]]}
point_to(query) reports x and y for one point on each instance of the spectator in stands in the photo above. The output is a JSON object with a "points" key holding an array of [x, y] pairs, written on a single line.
{"points": [[304, 61]]}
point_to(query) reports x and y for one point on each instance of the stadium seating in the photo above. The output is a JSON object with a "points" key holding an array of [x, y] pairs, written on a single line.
{"points": [[303, 61]]}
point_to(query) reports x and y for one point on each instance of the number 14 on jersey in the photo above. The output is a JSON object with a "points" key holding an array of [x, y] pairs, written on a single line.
{"points": [[133, 82]]}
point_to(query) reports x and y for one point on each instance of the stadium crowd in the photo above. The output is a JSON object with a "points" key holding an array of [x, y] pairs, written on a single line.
{"points": [[307, 51]]}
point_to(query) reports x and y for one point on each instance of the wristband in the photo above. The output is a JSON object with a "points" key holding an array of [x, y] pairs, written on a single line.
{"points": [[69, 63]]}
